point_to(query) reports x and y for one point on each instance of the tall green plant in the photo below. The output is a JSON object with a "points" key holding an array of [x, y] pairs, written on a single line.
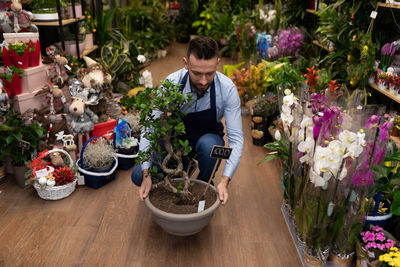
{"points": [[104, 27]]}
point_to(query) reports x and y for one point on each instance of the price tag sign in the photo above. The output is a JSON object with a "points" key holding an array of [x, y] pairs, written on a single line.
{"points": [[42, 173], [373, 14], [201, 206], [221, 152]]}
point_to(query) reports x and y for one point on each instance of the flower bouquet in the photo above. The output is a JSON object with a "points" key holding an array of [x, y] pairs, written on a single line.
{"points": [[246, 36], [382, 80], [12, 78], [53, 174], [391, 258]]}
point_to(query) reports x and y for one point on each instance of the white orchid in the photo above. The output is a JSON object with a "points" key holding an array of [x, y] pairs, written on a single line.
{"points": [[306, 147], [306, 122], [286, 109], [286, 118], [337, 147], [146, 79], [347, 137], [141, 58], [287, 92], [277, 135], [289, 99], [304, 133]]}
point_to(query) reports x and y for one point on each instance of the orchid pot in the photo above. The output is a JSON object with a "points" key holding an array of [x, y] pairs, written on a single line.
{"points": [[372, 78], [392, 89], [341, 260], [315, 258]]}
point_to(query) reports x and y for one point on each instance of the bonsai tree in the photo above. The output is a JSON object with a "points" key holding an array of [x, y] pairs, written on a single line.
{"points": [[161, 117]]}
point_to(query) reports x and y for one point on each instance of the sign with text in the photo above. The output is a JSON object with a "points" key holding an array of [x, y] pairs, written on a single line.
{"points": [[221, 152]]}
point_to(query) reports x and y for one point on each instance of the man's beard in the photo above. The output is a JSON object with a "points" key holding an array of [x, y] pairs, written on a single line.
{"points": [[96, 76], [199, 91]]}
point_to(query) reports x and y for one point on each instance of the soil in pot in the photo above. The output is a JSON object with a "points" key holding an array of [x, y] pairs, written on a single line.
{"points": [[170, 202]]}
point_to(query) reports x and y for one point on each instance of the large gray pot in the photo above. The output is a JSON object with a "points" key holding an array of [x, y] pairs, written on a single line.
{"points": [[183, 224]]}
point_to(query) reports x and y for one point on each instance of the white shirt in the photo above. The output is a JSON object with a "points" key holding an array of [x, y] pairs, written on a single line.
{"points": [[227, 103]]}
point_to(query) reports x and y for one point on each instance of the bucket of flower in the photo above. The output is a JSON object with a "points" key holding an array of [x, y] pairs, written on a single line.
{"points": [[97, 162], [125, 145], [53, 174]]}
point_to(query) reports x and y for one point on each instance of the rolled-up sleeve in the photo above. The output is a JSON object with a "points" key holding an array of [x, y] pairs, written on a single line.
{"points": [[233, 122]]}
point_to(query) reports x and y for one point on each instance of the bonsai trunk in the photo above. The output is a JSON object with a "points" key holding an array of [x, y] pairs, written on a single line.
{"points": [[178, 171]]}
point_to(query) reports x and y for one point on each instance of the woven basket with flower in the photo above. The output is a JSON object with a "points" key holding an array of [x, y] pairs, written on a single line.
{"points": [[53, 174]]}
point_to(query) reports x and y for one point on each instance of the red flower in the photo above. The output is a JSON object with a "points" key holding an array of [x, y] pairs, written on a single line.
{"points": [[312, 78]]}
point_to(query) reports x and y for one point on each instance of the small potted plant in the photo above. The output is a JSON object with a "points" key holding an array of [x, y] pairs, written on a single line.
{"points": [[11, 77], [91, 25], [373, 243], [22, 144], [125, 144], [46, 10], [168, 129], [382, 80], [19, 55]]}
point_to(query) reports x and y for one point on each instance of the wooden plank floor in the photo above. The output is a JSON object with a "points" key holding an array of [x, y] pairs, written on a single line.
{"points": [[112, 227]]}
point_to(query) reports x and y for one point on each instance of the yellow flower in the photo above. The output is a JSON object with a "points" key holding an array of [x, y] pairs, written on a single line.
{"points": [[135, 91], [349, 57], [365, 47], [352, 82]]}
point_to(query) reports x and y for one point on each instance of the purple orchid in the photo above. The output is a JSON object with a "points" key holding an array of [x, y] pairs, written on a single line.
{"points": [[372, 122], [384, 129]]}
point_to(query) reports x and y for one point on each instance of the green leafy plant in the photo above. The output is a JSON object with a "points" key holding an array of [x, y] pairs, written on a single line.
{"points": [[167, 128], [19, 48], [104, 27], [111, 59], [22, 140], [10, 76], [40, 4]]}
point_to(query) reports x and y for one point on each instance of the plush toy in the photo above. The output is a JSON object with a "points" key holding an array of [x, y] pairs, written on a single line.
{"points": [[56, 159], [4, 101], [80, 117], [56, 72], [20, 20], [95, 77]]}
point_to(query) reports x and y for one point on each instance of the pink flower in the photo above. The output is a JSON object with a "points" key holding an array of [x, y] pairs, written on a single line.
{"points": [[377, 228], [380, 236], [371, 245], [389, 243], [381, 246], [369, 236]]}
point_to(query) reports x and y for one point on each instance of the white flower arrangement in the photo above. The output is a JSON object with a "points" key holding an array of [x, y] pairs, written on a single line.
{"points": [[141, 58]]}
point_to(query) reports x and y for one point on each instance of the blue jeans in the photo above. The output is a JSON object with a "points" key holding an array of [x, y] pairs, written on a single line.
{"points": [[202, 150]]}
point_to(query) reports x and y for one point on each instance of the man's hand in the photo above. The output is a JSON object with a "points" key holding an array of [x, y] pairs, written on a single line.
{"points": [[145, 187], [222, 189]]}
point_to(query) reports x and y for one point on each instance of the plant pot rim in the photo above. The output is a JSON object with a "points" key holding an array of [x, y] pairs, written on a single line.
{"points": [[185, 217]]}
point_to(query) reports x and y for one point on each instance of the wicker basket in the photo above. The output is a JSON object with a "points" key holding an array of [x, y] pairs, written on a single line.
{"points": [[60, 191], [96, 179], [55, 192]]}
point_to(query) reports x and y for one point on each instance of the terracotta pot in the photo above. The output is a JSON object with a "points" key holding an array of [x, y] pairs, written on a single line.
{"points": [[313, 261], [183, 224], [19, 174]]}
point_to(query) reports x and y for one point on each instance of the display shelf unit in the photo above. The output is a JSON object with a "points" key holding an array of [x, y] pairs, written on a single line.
{"points": [[385, 92], [389, 5], [317, 43], [64, 22], [88, 51]]}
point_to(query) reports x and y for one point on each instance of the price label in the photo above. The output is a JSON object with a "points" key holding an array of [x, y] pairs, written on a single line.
{"points": [[221, 152], [373, 14], [42, 173], [201, 206], [67, 67]]}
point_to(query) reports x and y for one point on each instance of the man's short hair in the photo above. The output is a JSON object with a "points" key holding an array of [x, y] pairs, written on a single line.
{"points": [[203, 48]]}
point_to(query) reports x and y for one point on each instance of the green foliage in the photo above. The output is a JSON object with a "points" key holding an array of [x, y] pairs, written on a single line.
{"points": [[14, 69], [14, 133], [19, 48], [104, 27], [38, 4], [161, 117], [112, 59]]}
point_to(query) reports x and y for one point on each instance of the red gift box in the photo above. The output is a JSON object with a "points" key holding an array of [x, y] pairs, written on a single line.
{"points": [[14, 87], [6, 57], [21, 62], [34, 56]]}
